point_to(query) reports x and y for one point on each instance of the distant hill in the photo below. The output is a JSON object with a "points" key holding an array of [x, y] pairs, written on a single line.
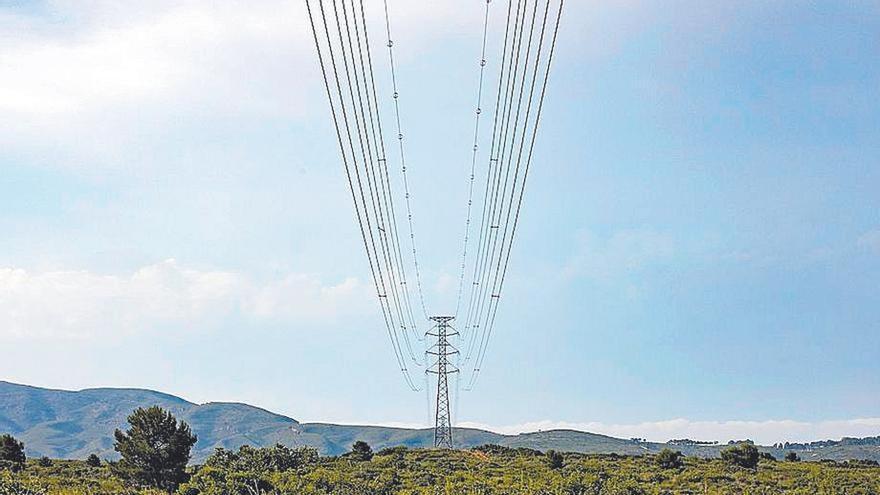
{"points": [[65, 424]]}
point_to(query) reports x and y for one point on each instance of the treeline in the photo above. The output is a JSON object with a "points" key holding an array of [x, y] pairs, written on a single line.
{"points": [[688, 441], [828, 443], [154, 452]]}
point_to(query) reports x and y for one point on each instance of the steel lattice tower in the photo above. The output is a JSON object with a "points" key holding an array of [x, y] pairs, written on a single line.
{"points": [[442, 368]]}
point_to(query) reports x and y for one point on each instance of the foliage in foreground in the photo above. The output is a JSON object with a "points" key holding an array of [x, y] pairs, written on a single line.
{"points": [[155, 449], [281, 470], [11, 453], [744, 455]]}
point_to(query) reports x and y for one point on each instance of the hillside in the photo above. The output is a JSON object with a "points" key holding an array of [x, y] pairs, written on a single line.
{"points": [[66, 424], [63, 424]]}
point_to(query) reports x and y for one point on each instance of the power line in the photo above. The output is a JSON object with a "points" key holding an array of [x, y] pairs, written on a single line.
{"points": [[494, 293], [400, 136], [366, 155], [343, 49], [490, 170], [387, 217], [507, 166], [502, 269], [478, 111], [499, 141], [370, 171], [361, 124]]}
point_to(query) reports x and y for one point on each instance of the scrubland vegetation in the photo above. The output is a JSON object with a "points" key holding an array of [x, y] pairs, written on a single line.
{"points": [[280, 470], [152, 450]]}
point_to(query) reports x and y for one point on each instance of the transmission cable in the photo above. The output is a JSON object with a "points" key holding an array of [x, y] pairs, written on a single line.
{"points": [[400, 137], [386, 215], [470, 196], [350, 160], [485, 288], [528, 162], [469, 330], [490, 227], [366, 155]]}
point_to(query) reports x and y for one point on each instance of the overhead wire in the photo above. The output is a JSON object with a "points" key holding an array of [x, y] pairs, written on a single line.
{"points": [[469, 329], [491, 315], [489, 222], [403, 169], [367, 156], [354, 120], [498, 205], [385, 210], [367, 149], [356, 117], [383, 163], [470, 196]]}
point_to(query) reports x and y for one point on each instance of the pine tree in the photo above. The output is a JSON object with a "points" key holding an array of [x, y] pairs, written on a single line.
{"points": [[155, 449], [11, 453]]}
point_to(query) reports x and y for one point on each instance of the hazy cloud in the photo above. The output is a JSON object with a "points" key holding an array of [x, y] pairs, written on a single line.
{"points": [[224, 56], [113, 81], [188, 50], [82, 304]]}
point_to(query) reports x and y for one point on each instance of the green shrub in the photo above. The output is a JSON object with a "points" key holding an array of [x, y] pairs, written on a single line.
{"points": [[743, 455], [11, 453], [669, 459], [555, 460], [361, 451], [266, 459], [399, 450], [93, 461]]}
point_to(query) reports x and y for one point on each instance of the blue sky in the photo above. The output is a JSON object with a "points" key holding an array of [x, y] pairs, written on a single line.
{"points": [[699, 252]]}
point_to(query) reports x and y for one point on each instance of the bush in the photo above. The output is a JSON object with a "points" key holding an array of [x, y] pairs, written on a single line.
{"points": [[495, 449], [361, 451], [93, 461], [669, 459], [554, 459], [491, 448], [743, 455], [766, 456], [792, 457], [11, 453], [398, 450], [44, 462], [277, 458]]}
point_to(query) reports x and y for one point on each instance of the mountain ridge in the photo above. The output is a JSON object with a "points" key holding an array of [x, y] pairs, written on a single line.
{"points": [[73, 424]]}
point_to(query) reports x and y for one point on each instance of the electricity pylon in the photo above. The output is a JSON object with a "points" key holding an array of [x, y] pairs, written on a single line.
{"points": [[442, 367]]}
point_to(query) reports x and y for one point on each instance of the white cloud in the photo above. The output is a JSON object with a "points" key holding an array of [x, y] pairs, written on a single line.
{"points": [[123, 58], [112, 83], [73, 65], [81, 304], [763, 432], [228, 55], [105, 82]]}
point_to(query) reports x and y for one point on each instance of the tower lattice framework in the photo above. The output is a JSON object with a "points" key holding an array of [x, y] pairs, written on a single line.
{"points": [[442, 367]]}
